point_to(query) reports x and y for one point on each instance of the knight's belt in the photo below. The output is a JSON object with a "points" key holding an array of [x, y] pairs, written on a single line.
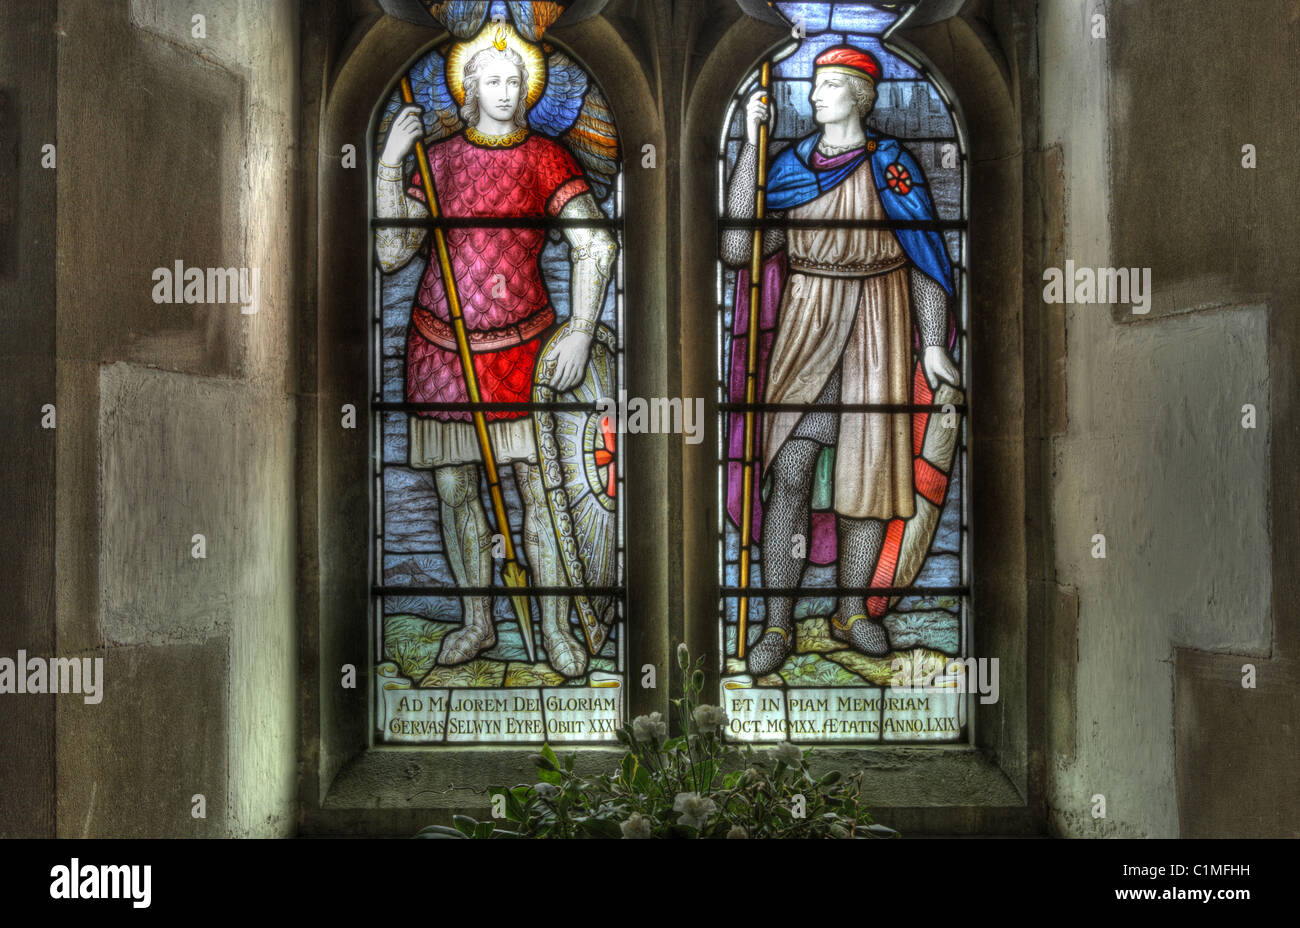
{"points": [[442, 334], [832, 269]]}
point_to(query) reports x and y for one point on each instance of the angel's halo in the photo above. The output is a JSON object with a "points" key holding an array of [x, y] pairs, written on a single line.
{"points": [[498, 34]]}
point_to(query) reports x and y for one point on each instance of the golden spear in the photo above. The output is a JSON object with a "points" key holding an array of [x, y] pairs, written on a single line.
{"points": [[751, 370], [512, 571]]}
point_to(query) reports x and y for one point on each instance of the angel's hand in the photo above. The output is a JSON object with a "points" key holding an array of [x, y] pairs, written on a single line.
{"points": [[407, 127], [568, 361]]}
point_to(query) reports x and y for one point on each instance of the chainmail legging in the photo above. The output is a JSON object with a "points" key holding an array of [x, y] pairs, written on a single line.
{"points": [[787, 515]]}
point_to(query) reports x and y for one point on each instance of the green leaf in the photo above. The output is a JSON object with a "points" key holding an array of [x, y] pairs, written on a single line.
{"points": [[568, 761], [550, 756], [484, 830], [600, 828], [514, 810], [438, 831], [877, 831], [730, 780], [464, 824]]}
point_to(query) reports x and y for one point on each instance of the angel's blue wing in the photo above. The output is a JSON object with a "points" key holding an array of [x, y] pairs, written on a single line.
{"points": [[558, 108], [429, 87], [462, 18], [532, 19], [594, 141]]}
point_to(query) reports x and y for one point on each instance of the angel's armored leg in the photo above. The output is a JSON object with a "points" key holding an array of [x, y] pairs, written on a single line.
{"points": [[567, 656], [468, 541]]}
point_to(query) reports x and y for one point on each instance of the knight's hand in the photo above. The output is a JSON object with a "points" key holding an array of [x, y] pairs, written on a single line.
{"points": [[568, 361], [939, 367], [757, 112], [407, 127]]}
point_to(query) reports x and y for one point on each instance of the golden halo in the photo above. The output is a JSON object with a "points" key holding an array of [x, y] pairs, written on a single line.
{"points": [[502, 35]]}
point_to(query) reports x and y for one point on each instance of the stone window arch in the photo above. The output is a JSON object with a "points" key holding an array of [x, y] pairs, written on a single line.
{"points": [[985, 775], [350, 769]]}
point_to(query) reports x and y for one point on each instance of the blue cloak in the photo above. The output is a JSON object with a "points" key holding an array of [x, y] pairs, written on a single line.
{"points": [[792, 181]]}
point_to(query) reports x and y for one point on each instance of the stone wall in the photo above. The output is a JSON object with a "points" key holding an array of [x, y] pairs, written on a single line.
{"points": [[173, 419], [1147, 126]]}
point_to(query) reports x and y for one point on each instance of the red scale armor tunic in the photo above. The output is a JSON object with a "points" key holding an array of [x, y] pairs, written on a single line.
{"points": [[531, 178]]}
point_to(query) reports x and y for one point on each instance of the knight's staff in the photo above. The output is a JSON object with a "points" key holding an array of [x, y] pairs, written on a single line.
{"points": [[751, 369], [512, 571]]}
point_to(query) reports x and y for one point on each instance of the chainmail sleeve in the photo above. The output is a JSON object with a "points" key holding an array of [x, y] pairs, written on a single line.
{"points": [[737, 244], [930, 306]]}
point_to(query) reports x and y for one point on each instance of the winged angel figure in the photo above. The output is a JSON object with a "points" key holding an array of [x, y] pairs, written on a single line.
{"points": [[513, 128]]}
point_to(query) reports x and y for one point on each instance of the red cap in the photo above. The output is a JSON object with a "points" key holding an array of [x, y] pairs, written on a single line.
{"points": [[852, 59]]}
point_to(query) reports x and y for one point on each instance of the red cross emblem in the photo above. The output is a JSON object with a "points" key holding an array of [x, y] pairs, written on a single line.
{"points": [[604, 455], [898, 178]]}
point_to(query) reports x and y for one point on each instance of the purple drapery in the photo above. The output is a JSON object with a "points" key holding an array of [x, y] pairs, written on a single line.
{"points": [[822, 548]]}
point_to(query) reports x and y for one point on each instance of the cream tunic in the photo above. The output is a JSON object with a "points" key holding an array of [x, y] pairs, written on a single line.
{"points": [[847, 302]]}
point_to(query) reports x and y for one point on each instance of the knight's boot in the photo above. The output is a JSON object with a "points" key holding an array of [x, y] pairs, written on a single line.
{"points": [[864, 634], [469, 550], [770, 651], [860, 544]]}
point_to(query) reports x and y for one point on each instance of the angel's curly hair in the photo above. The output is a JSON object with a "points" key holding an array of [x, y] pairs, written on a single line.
{"points": [[473, 68]]}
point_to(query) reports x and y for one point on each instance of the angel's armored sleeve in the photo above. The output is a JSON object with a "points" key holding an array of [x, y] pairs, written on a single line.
{"points": [[395, 245]]}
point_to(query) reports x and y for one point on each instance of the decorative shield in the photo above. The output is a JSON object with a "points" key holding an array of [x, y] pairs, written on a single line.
{"points": [[578, 448], [934, 448]]}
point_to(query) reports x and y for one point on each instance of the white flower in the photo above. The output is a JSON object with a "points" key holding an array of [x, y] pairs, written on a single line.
{"points": [[785, 751], [695, 809], [737, 831], [651, 728], [710, 718], [683, 656], [636, 826]]}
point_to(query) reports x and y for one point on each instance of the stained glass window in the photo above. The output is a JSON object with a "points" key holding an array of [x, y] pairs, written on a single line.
{"points": [[497, 563], [842, 369]]}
